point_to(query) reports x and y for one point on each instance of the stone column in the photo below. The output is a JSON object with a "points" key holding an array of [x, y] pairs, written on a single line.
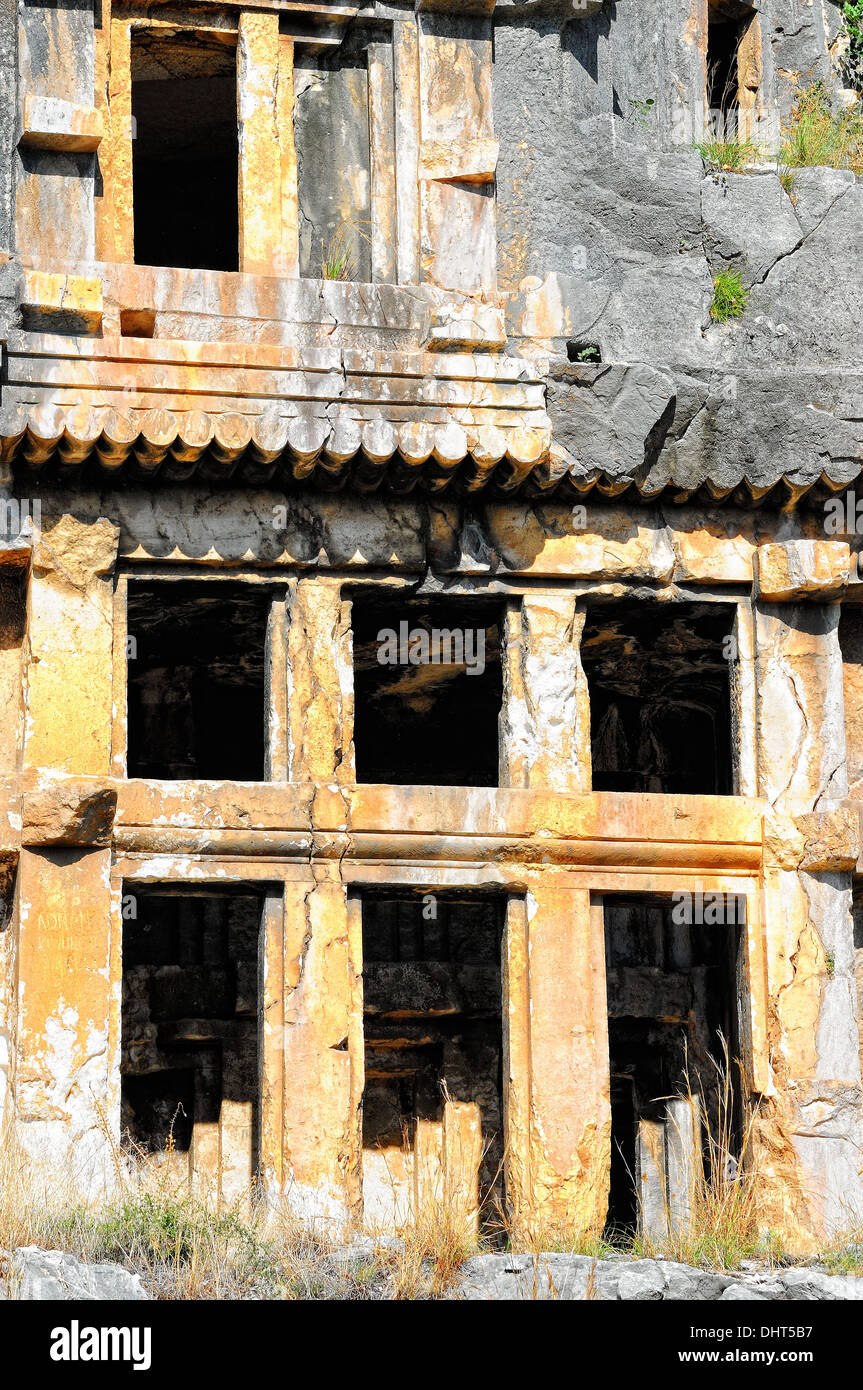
{"points": [[322, 1052], [557, 1103], [14, 556], [808, 1131], [67, 924], [320, 684], [115, 215], [69, 680], [458, 154], [323, 1049], [260, 174], [382, 141], [558, 1114], [49, 199], [406, 65], [545, 720], [65, 1094], [289, 243]]}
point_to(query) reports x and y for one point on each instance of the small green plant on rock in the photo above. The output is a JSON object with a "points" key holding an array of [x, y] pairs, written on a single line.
{"points": [[642, 110], [730, 296], [585, 352], [788, 180], [852, 66]]}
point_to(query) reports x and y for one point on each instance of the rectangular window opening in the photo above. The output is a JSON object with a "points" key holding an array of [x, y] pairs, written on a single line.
{"points": [[659, 681], [185, 161], [13, 624], [432, 1113], [728, 26], [196, 680], [672, 972], [851, 648], [428, 688], [189, 1054]]}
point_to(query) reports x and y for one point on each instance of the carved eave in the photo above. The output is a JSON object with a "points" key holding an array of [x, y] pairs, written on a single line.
{"points": [[168, 410]]}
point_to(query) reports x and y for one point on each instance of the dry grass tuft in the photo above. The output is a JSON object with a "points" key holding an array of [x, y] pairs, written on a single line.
{"points": [[816, 135], [726, 1222], [183, 1246], [339, 258]]}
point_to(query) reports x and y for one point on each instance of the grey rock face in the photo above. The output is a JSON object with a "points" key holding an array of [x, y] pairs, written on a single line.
{"points": [[45, 1275], [686, 426], [603, 198], [581, 1278], [610, 417], [816, 291], [748, 223]]}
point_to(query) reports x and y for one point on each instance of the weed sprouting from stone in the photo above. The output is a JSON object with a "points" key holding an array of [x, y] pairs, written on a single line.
{"points": [[730, 296]]}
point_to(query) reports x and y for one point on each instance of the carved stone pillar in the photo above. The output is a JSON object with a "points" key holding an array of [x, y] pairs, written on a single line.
{"points": [[545, 722], [808, 1131]]}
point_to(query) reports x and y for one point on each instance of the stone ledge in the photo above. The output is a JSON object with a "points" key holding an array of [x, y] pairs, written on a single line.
{"points": [[76, 298], [802, 569], [51, 124], [73, 812]]}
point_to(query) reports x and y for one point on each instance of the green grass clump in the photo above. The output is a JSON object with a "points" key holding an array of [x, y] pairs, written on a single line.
{"points": [[727, 156], [730, 296], [180, 1241], [845, 1257]]}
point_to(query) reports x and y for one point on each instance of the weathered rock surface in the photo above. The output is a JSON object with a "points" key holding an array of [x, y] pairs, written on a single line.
{"points": [[581, 1278], [749, 223], [617, 246], [45, 1275], [69, 813], [686, 425]]}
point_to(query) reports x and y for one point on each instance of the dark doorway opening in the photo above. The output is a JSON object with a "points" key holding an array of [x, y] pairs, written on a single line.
{"points": [[196, 680], [674, 1044], [433, 1038], [185, 161], [728, 23], [428, 688], [660, 697], [189, 1053]]}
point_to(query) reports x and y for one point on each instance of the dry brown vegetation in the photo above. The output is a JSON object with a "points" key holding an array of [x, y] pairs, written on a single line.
{"points": [[186, 1247]]}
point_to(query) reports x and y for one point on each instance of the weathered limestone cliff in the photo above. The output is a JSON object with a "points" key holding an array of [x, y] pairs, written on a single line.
{"points": [[431, 735]]}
